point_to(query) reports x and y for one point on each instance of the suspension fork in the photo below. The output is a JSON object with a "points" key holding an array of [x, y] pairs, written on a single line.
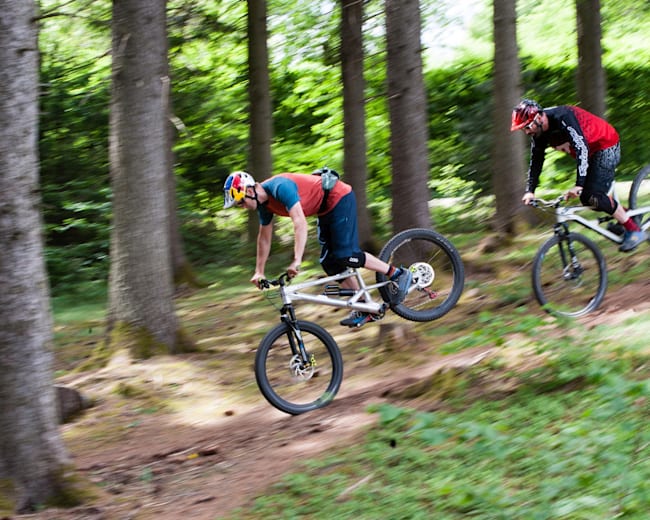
{"points": [[565, 245], [288, 316]]}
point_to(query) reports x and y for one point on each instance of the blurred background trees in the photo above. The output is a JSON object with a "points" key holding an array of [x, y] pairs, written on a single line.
{"points": [[209, 70]]}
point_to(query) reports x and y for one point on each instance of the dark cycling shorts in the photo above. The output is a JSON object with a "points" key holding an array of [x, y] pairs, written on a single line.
{"points": [[338, 235], [600, 176]]}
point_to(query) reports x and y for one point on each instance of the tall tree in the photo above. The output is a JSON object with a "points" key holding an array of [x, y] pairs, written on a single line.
{"points": [[507, 150], [355, 164], [32, 454], [590, 76], [181, 268], [407, 105], [141, 305], [259, 95]]}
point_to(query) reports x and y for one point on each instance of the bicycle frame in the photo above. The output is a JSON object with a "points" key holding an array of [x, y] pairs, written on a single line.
{"points": [[358, 300], [335, 298], [565, 214]]}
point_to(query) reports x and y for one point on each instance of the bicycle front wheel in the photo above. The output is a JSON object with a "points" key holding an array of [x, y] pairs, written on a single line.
{"points": [[438, 273], [569, 275], [640, 196], [286, 380]]}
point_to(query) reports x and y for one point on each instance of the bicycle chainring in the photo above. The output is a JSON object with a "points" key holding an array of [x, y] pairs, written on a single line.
{"points": [[423, 274]]}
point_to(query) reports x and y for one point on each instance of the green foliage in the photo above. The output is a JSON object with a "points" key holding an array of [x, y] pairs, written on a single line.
{"points": [[208, 59]]}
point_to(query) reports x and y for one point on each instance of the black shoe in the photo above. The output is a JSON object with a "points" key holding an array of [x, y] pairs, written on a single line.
{"points": [[632, 239], [358, 319], [402, 278]]}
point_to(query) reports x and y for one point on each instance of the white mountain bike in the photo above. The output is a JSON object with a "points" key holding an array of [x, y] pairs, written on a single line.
{"points": [[298, 365], [569, 270]]}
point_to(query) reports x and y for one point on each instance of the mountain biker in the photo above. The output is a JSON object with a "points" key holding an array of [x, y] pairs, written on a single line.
{"points": [[299, 196], [595, 146]]}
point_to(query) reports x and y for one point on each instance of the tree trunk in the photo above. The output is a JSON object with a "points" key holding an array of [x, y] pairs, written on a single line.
{"points": [[141, 306], [259, 94], [183, 273], [181, 268], [590, 76], [407, 105], [355, 164], [507, 150], [32, 454]]}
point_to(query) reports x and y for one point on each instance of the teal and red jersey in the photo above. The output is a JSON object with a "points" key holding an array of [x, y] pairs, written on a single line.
{"points": [[285, 189]]}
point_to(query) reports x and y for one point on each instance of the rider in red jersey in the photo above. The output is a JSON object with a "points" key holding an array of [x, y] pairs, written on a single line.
{"points": [[595, 146]]}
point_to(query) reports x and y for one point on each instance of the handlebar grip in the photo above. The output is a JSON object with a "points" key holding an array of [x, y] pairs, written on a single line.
{"points": [[266, 284]]}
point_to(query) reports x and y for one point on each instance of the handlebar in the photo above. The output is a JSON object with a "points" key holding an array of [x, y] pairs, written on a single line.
{"points": [[543, 203], [281, 280]]}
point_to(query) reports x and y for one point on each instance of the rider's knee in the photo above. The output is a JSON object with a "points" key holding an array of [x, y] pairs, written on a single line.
{"points": [[334, 266], [599, 201], [357, 259]]}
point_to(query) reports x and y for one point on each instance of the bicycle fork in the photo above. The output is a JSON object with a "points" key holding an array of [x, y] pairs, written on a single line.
{"points": [[302, 362], [571, 267]]}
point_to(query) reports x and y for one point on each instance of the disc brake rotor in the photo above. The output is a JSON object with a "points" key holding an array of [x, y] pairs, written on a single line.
{"points": [[299, 370]]}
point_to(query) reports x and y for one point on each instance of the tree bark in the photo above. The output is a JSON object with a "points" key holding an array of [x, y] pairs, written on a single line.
{"points": [[590, 76], [407, 105], [507, 150], [141, 305], [260, 163], [32, 454], [355, 164], [181, 268]]}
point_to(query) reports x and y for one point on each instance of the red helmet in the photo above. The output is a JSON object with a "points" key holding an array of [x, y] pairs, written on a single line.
{"points": [[524, 113]]}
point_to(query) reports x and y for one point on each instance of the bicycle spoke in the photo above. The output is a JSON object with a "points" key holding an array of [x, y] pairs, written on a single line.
{"points": [[438, 273], [566, 284], [640, 196]]}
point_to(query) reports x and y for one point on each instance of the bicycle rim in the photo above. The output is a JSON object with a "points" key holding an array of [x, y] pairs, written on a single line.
{"points": [[569, 288], [640, 196], [289, 384], [438, 273]]}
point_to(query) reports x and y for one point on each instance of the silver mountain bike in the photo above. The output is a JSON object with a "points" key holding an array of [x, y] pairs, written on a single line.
{"points": [[298, 364], [569, 275]]}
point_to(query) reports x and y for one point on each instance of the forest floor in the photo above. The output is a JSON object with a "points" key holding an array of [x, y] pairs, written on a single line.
{"points": [[191, 436]]}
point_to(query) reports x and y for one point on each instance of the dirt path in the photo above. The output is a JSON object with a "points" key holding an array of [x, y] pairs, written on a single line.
{"points": [[166, 469]]}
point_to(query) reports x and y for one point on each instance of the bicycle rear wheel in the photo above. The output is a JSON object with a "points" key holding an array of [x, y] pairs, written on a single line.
{"points": [[438, 273], [640, 196], [286, 381], [569, 275]]}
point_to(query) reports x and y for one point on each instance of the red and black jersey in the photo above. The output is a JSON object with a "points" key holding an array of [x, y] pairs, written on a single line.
{"points": [[575, 131]]}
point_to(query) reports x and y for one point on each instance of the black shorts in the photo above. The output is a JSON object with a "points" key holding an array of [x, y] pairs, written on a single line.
{"points": [[338, 234]]}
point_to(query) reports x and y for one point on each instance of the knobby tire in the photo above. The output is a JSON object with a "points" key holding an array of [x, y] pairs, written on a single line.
{"points": [[573, 297], [276, 381], [640, 194], [425, 247]]}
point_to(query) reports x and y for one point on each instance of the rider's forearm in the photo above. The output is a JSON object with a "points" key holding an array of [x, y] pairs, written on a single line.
{"points": [[300, 240], [263, 248]]}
